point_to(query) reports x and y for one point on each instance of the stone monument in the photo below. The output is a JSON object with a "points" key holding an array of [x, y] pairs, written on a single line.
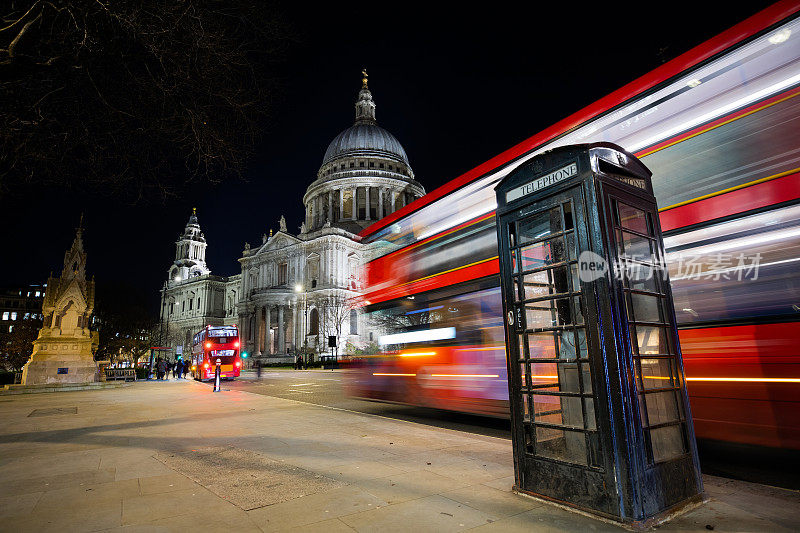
{"points": [[62, 353]]}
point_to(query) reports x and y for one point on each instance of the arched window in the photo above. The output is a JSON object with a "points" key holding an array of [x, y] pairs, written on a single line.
{"points": [[313, 324], [353, 322]]}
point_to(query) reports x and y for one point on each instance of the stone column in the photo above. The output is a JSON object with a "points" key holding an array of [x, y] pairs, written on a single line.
{"points": [[296, 326], [269, 330], [381, 214], [330, 206], [281, 332], [258, 331], [341, 203], [366, 203], [391, 192]]}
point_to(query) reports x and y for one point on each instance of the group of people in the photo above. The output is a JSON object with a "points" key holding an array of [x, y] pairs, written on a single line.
{"points": [[178, 368]]}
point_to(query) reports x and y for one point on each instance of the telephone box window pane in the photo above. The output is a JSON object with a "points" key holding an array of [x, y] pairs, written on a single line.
{"points": [[577, 302], [514, 261], [540, 315], [571, 344], [546, 282], [560, 279], [640, 277], [563, 311], [588, 405], [667, 442], [563, 375], [521, 346], [549, 313], [536, 285], [526, 413], [523, 378], [634, 246], [539, 226], [559, 444], [661, 407], [656, 373], [587, 378], [645, 308], [544, 374], [568, 223], [632, 218], [558, 410], [576, 279], [542, 345], [650, 340], [543, 253]]}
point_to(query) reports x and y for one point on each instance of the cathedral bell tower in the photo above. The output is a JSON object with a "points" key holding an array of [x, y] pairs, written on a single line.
{"points": [[190, 252]]}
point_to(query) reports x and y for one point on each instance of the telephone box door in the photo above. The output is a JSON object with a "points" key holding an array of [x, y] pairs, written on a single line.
{"points": [[552, 388]]}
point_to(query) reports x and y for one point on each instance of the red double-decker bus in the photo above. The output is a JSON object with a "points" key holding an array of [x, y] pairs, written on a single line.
{"points": [[212, 343], [719, 128]]}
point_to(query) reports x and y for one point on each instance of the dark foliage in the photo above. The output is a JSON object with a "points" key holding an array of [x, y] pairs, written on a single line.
{"points": [[16, 346], [124, 323], [137, 98]]}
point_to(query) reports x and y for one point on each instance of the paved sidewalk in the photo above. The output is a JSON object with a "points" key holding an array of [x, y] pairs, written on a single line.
{"points": [[177, 457]]}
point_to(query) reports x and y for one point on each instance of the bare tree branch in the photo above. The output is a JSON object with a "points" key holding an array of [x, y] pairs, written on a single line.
{"points": [[137, 97]]}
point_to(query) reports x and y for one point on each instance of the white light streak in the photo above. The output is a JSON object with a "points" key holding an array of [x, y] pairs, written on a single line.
{"points": [[711, 115], [418, 336]]}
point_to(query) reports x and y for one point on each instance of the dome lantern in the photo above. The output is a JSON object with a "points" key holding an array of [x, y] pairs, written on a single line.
{"points": [[365, 175], [365, 107]]}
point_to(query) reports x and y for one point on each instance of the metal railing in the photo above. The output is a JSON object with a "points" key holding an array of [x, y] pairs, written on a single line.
{"points": [[125, 374]]}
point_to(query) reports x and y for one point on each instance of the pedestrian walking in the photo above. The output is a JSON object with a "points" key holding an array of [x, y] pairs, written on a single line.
{"points": [[185, 368], [161, 368], [176, 372], [258, 370], [299, 362]]}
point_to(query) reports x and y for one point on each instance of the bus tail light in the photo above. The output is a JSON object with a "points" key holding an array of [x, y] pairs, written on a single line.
{"points": [[205, 365], [208, 345], [238, 363], [236, 344]]}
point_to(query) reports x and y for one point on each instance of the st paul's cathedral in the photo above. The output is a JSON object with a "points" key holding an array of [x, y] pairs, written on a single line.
{"points": [[293, 290]]}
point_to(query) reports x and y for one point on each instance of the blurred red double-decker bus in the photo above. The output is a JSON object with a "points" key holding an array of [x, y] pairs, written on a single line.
{"points": [[719, 126], [214, 343]]}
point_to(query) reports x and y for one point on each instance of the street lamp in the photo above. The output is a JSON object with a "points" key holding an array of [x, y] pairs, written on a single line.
{"points": [[298, 289]]}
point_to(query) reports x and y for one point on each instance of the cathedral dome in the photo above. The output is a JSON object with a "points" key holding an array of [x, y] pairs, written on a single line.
{"points": [[365, 139], [365, 175]]}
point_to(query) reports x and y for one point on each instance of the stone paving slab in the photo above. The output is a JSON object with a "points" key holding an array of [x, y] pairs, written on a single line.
{"points": [[174, 456]]}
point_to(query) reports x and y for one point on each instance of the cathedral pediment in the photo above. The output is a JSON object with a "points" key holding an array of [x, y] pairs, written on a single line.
{"points": [[278, 241]]}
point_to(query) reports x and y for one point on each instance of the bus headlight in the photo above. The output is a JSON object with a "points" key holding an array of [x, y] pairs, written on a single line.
{"points": [[205, 365], [238, 363]]}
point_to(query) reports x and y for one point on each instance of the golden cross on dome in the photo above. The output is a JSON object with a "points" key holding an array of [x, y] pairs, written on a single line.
{"points": [[194, 211], [364, 79]]}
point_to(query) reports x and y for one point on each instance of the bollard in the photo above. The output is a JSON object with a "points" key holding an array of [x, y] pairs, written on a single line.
{"points": [[217, 376]]}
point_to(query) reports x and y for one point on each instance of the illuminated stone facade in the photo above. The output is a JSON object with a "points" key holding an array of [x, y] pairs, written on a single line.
{"points": [[294, 288]]}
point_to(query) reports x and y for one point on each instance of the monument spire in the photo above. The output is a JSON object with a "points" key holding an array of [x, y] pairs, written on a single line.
{"points": [[62, 353]]}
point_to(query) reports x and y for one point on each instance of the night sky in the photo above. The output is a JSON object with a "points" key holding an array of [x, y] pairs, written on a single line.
{"points": [[456, 86]]}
